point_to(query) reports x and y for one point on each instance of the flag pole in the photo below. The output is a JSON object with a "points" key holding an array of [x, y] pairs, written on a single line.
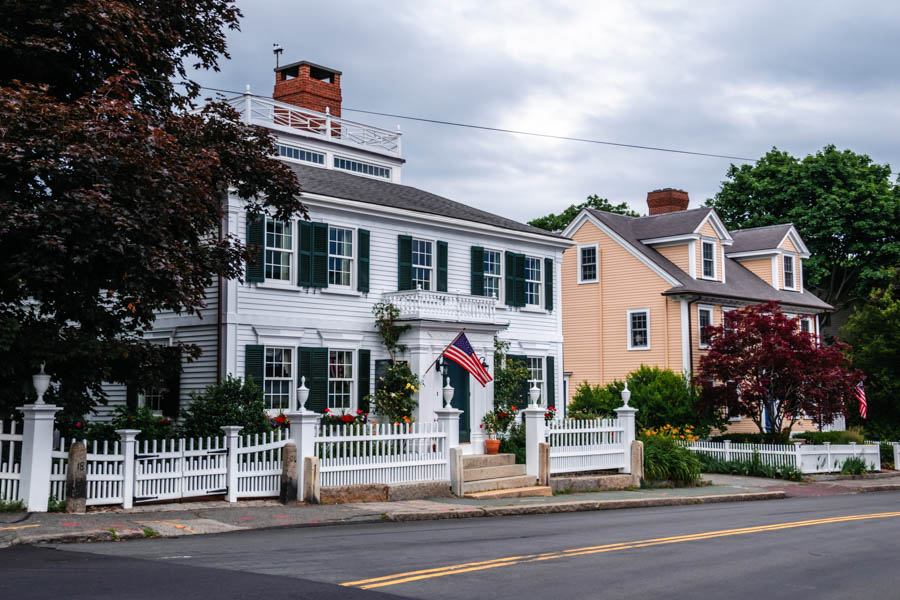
{"points": [[442, 351]]}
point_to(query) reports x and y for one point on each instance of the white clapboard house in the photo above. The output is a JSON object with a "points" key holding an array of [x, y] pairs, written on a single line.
{"points": [[305, 306]]}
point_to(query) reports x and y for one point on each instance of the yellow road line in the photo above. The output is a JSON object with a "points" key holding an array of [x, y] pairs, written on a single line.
{"points": [[409, 576], [17, 527]]}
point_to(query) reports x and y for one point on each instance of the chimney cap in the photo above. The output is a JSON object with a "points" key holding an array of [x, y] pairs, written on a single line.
{"points": [[306, 62], [668, 189]]}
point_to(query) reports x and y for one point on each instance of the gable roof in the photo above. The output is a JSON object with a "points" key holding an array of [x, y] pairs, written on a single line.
{"points": [[669, 224], [328, 182], [740, 283], [759, 238]]}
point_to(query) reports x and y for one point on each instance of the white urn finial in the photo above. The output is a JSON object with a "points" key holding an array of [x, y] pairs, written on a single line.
{"points": [[302, 394], [626, 395], [41, 382], [448, 394], [534, 396]]}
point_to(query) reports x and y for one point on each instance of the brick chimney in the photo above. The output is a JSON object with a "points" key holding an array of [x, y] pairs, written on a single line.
{"points": [[309, 86], [667, 200]]}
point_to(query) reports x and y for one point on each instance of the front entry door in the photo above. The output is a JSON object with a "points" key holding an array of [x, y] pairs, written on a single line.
{"points": [[459, 380]]}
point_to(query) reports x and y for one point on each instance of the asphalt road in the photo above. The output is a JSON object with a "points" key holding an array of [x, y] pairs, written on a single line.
{"points": [[828, 547]]}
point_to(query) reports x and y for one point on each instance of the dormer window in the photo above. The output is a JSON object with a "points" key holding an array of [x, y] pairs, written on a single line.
{"points": [[709, 260], [789, 273]]}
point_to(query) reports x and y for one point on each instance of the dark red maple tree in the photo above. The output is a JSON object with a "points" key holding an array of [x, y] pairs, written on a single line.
{"points": [[762, 366]]}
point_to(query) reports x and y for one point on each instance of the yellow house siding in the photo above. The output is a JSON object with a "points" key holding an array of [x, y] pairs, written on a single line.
{"points": [[697, 351], [673, 310], [788, 246], [678, 255], [582, 319], [761, 267]]}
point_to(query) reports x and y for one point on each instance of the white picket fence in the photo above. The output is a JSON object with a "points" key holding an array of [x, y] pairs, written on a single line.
{"points": [[586, 445], [259, 464], [808, 458], [105, 472], [10, 458], [180, 468], [382, 453]]}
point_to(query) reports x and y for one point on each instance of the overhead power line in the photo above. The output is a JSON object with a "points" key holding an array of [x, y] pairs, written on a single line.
{"points": [[516, 131]]}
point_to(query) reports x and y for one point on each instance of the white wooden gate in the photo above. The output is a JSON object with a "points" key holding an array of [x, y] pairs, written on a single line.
{"points": [[168, 469]]}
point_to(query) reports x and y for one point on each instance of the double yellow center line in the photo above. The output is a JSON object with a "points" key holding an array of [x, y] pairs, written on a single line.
{"points": [[526, 558]]}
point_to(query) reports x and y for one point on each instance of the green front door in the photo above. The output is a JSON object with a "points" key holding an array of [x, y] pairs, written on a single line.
{"points": [[459, 380]]}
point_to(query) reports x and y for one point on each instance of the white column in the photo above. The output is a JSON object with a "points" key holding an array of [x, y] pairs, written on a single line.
{"points": [[535, 434], [37, 442], [232, 442], [128, 465], [626, 414], [448, 419], [303, 431]]}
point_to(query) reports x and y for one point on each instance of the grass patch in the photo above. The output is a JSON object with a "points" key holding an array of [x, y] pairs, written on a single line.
{"points": [[854, 466], [54, 504], [115, 535], [666, 460], [149, 533], [749, 468], [11, 506]]}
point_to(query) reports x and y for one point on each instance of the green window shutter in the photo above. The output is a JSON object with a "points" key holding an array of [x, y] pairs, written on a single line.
{"points": [[477, 285], [314, 366], [550, 384], [131, 396], [442, 266], [520, 280], [305, 257], [362, 270], [320, 255], [404, 262], [510, 278], [172, 401], [381, 369], [253, 363], [520, 401], [364, 379], [256, 240], [548, 283]]}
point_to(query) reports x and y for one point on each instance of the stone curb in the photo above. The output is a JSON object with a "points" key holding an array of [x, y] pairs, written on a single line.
{"points": [[885, 487], [89, 535]]}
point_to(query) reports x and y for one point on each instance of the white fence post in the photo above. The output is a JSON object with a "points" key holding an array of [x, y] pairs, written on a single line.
{"points": [[37, 443], [448, 419], [128, 441], [626, 415], [303, 431], [232, 441], [535, 435], [896, 456], [727, 450], [798, 455]]}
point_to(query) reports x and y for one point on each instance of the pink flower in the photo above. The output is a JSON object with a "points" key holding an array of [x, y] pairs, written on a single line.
{"points": [[78, 424]]}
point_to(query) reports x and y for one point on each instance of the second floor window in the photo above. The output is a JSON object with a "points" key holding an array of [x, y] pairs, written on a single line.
{"points": [[422, 264], [789, 272], [709, 260], [340, 256], [492, 273], [639, 329], [588, 260], [340, 379], [278, 378], [279, 250], [704, 320], [533, 281]]}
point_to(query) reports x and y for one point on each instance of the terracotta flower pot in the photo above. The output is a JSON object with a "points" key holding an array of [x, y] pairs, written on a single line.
{"points": [[492, 446]]}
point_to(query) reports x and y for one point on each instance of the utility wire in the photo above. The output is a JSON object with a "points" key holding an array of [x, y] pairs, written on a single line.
{"points": [[515, 131]]}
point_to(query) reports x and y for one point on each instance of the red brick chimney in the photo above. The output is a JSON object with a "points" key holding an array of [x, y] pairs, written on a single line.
{"points": [[667, 200], [310, 86]]}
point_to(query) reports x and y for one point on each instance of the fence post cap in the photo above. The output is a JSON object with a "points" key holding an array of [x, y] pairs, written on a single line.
{"points": [[128, 435], [231, 429]]}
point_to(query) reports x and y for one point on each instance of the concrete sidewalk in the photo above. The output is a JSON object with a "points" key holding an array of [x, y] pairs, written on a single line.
{"points": [[192, 518]]}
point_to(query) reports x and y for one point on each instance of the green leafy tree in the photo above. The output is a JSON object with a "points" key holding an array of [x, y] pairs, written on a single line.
{"points": [[113, 187], [235, 401], [843, 205], [873, 331], [554, 222], [510, 378]]}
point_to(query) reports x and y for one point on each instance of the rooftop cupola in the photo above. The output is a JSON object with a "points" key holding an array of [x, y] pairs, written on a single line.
{"points": [[309, 86]]}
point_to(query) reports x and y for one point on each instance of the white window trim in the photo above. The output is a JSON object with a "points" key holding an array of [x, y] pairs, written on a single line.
{"points": [[596, 264], [715, 274], [543, 378], [501, 287], [291, 281], [273, 412], [631, 311], [793, 286], [141, 402], [304, 149], [335, 157], [542, 282], [433, 267], [712, 316], [354, 253], [354, 359]]}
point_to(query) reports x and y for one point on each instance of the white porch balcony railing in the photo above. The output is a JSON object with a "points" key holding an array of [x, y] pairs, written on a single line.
{"points": [[443, 306], [294, 119]]}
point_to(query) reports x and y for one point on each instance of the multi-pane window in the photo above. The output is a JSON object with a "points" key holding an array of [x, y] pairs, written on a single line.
{"points": [[340, 256], [638, 329], [340, 379], [279, 250], [356, 166], [533, 281], [422, 264], [789, 272], [588, 264], [278, 376], [492, 273], [536, 374], [709, 260], [300, 154], [153, 399], [806, 325], [704, 320]]}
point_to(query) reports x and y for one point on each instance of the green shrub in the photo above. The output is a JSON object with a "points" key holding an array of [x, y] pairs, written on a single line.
{"points": [[152, 427], [232, 402], [834, 437], [661, 396], [514, 442], [394, 398], [748, 468], [7, 506], [753, 438], [887, 456], [854, 466], [666, 460]]}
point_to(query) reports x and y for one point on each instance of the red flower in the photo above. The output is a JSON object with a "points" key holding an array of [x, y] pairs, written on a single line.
{"points": [[78, 424], [327, 410], [359, 412], [347, 419]]}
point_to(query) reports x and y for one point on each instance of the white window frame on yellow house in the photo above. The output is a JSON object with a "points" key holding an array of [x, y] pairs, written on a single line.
{"points": [[712, 313], [793, 282], [633, 311], [581, 264], [704, 242]]}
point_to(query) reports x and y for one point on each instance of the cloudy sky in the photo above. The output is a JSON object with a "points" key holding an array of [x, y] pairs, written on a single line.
{"points": [[718, 77]]}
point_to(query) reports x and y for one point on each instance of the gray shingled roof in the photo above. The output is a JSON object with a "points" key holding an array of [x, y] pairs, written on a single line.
{"points": [[758, 238], [665, 225], [328, 182], [740, 283]]}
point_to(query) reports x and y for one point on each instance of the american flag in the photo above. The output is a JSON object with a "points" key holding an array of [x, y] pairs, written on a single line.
{"points": [[860, 393], [461, 352]]}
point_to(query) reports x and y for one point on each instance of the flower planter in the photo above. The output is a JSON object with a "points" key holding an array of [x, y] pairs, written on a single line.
{"points": [[492, 446]]}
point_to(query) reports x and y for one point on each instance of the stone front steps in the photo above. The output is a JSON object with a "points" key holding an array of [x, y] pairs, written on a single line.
{"points": [[497, 476]]}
